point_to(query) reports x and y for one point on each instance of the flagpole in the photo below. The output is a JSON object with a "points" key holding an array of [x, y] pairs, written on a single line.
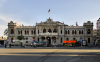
{"points": [[49, 13]]}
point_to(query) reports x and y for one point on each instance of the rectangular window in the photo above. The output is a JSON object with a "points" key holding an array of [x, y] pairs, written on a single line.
{"points": [[88, 40]]}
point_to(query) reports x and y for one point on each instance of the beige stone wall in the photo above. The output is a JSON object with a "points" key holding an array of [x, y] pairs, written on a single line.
{"points": [[52, 25]]}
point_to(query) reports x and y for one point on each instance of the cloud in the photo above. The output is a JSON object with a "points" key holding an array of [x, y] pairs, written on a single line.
{"points": [[95, 19], [8, 18]]}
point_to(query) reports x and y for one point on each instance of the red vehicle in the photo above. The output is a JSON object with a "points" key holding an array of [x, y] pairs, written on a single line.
{"points": [[69, 42]]}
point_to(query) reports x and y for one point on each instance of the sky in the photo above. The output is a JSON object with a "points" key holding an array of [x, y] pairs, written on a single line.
{"points": [[28, 12]]}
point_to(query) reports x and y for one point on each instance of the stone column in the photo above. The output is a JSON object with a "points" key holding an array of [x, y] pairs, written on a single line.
{"points": [[40, 40], [23, 32], [51, 41], [52, 30], [29, 32]]}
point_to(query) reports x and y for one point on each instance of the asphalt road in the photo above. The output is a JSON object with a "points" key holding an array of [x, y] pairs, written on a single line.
{"points": [[82, 54]]}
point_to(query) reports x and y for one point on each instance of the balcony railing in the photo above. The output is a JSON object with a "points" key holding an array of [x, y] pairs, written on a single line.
{"points": [[11, 34], [48, 34]]}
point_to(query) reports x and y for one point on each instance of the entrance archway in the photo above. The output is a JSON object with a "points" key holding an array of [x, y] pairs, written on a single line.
{"points": [[42, 39], [48, 39], [53, 39]]}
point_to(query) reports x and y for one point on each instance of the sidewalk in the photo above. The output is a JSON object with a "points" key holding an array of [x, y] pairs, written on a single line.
{"points": [[77, 47]]}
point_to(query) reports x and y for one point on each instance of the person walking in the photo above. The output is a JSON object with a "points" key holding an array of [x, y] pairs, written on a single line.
{"points": [[5, 45], [95, 43], [34, 44], [31, 44], [33, 40], [10, 45], [55, 43]]}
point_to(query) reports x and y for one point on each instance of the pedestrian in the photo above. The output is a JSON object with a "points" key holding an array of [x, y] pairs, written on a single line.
{"points": [[10, 45], [95, 43], [55, 43], [34, 44], [31, 44], [21, 44], [5, 45]]}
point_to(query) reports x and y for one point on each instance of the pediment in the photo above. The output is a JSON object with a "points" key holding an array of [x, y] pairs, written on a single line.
{"points": [[49, 21]]}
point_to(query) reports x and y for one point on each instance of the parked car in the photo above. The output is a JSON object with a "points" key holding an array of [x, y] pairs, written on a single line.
{"points": [[91, 45]]}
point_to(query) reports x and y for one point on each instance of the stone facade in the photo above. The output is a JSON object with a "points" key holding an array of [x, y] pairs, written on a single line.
{"points": [[51, 30], [98, 28]]}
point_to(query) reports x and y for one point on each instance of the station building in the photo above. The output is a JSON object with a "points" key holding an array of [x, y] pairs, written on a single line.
{"points": [[50, 30]]}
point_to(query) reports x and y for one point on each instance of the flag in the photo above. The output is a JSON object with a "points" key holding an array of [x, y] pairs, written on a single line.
{"points": [[49, 11]]}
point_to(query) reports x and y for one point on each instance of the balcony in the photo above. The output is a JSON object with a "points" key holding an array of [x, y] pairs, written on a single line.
{"points": [[89, 34], [48, 33], [11, 34]]}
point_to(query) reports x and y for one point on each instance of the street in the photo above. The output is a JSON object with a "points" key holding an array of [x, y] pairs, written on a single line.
{"points": [[71, 54]]}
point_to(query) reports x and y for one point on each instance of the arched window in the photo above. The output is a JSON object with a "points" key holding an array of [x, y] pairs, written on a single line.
{"points": [[61, 31], [18, 32], [21, 31], [32, 32], [82, 31], [44, 30], [25, 31], [61, 40], [72, 31], [11, 40], [75, 32], [38, 31], [49, 30], [67, 38], [26, 38], [65, 31], [88, 32], [73, 38], [79, 31], [68, 32], [55, 31], [12, 31]]}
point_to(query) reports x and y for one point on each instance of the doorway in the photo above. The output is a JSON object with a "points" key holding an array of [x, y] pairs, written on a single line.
{"points": [[49, 40]]}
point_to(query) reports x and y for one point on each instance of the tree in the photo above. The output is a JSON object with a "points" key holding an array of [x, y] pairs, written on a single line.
{"points": [[20, 37], [6, 32]]}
